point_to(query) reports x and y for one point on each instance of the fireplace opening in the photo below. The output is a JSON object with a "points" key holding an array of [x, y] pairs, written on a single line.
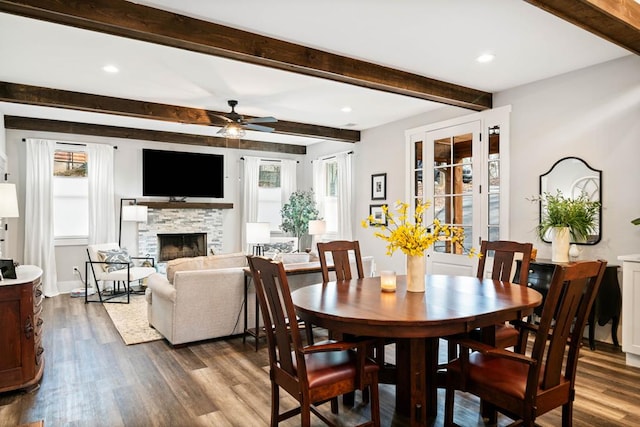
{"points": [[180, 245]]}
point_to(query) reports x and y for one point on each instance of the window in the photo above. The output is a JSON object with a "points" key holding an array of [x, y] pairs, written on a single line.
{"points": [[70, 195], [331, 195], [270, 194]]}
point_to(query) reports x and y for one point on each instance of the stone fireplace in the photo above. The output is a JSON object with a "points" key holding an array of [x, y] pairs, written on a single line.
{"points": [[180, 245], [173, 221]]}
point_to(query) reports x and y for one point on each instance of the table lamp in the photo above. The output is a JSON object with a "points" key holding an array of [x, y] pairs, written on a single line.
{"points": [[258, 233], [317, 227], [8, 203]]}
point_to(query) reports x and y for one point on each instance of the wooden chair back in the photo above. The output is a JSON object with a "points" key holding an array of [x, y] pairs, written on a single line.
{"points": [[504, 253], [311, 374], [524, 386], [566, 309], [339, 250], [276, 306]]}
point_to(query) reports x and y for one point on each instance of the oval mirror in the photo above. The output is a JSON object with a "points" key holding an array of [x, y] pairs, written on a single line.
{"points": [[573, 176]]}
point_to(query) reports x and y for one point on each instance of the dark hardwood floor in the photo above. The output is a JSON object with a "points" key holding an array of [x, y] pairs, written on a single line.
{"points": [[92, 378]]}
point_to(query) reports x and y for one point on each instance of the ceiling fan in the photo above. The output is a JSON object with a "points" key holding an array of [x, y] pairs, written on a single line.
{"points": [[236, 126]]}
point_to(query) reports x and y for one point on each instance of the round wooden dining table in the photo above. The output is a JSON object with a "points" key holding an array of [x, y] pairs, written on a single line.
{"points": [[450, 305]]}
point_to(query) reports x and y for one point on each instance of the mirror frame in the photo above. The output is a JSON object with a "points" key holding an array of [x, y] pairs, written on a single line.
{"points": [[553, 190]]}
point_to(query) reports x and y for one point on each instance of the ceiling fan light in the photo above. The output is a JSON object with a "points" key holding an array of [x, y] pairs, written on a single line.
{"points": [[233, 131]]}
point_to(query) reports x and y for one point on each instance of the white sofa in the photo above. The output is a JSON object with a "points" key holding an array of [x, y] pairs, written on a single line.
{"points": [[203, 297]]}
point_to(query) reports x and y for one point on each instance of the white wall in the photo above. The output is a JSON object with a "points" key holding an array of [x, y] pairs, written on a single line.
{"points": [[593, 114]]}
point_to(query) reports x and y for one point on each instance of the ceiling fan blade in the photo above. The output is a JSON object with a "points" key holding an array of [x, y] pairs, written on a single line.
{"points": [[262, 120], [225, 118], [250, 126]]}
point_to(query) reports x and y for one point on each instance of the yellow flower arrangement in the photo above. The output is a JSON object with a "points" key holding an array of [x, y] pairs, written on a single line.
{"points": [[413, 238]]}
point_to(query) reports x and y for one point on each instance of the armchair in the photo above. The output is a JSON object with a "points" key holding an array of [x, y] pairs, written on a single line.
{"points": [[108, 263]]}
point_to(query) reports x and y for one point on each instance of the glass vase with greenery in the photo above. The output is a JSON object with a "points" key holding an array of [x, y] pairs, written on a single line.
{"points": [[297, 213], [578, 214]]}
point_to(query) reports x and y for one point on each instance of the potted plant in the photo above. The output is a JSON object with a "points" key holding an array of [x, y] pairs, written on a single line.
{"points": [[636, 221], [566, 217], [297, 213]]}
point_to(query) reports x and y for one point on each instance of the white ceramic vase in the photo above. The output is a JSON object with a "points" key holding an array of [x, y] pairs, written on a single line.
{"points": [[560, 244], [415, 273]]}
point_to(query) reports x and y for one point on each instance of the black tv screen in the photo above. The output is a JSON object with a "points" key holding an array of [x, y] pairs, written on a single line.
{"points": [[182, 174]]}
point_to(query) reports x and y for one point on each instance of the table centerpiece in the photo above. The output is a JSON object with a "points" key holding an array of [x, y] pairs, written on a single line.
{"points": [[413, 237]]}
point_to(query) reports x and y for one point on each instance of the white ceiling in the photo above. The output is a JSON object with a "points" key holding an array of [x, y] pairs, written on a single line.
{"points": [[433, 38]]}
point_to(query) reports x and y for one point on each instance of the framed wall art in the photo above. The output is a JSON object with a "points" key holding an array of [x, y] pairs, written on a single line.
{"points": [[378, 217], [379, 186]]}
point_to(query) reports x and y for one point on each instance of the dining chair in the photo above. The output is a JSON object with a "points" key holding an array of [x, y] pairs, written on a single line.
{"points": [[525, 386], [312, 374], [339, 257], [504, 253], [339, 250]]}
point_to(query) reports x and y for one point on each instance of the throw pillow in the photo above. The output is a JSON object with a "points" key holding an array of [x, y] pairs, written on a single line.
{"points": [[119, 256]]}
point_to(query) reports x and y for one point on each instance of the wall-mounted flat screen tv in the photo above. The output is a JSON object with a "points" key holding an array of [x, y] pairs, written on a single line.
{"points": [[178, 174]]}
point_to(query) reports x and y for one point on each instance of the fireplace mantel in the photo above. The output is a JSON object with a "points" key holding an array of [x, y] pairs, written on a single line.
{"points": [[186, 205]]}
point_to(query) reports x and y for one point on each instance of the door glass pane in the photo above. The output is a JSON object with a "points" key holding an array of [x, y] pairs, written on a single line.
{"points": [[493, 183], [453, 201], [417, 152]]}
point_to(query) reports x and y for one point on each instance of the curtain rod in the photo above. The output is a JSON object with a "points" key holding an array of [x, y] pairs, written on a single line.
{"points": [[334, 156], [271, 160], [80, 144]]}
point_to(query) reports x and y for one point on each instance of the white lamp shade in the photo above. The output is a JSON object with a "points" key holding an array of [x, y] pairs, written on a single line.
{"points": [[137, 213], [8, 201], [258, 232], [317, 227]]}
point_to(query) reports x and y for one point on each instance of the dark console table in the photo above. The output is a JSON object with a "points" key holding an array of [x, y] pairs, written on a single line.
{"points": [[608, 303]]}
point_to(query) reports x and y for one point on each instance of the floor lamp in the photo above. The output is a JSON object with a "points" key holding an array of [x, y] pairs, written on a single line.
{"points": [[8, 205], [258, 233], [133, 212]]}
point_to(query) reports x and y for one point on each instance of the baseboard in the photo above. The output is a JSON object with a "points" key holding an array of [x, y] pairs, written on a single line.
{"points": [[66, 287]]}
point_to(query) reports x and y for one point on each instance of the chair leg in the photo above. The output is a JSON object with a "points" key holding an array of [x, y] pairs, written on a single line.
{"points": [[334, 405], [275, 404], [305, 413], [448, 403], [308, 329], [375, 402], [567, 414]]}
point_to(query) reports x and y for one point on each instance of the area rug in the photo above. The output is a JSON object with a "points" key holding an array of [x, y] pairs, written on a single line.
{"points": [[131, 321]]}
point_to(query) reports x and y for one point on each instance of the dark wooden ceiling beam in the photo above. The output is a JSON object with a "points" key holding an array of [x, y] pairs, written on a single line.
{"points": [[35, 95], [45, 125], [615, 20], [126, 19]]}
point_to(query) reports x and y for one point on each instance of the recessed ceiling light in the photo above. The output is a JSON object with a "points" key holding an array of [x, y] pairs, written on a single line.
{"points": [[486, 57], [110, 68], [346, 109]]}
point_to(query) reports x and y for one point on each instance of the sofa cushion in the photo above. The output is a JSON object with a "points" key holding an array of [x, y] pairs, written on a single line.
{"points": [[211, 262]]}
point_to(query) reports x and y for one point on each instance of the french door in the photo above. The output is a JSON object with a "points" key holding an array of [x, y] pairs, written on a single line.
{"points": [[457, 166]]}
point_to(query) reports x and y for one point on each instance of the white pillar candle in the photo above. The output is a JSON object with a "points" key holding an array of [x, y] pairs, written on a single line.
{"points": [[388, 281]]}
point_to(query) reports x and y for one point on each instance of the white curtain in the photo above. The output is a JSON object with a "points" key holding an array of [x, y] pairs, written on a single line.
{"points": [[318, 185], [102, 206], [38, 217], [288, 182], [249, 195], [345, 196]]}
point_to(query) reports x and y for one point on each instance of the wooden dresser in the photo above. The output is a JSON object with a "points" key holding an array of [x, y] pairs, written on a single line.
{"points": [[22, 355]]}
